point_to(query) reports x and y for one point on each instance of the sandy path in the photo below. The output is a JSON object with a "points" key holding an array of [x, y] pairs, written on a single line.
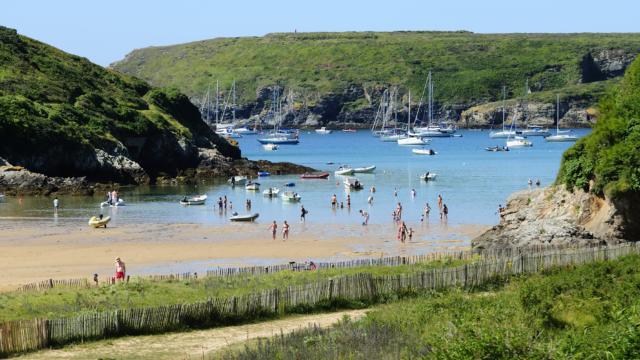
{"points": [[189, 345]]}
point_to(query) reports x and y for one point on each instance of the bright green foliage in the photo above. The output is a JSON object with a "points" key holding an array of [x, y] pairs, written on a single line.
{"points": [[468, 68], [610, 155], [586, 312], [56, 107]]}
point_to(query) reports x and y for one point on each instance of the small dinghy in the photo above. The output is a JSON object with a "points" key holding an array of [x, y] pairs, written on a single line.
{"points": [[364, 170], [245, 217], [271, 192], [496, 148], [428, 176], [270, 147], [253, 186], [290, 184], [195, 200], [106, 203], [96, 222], [322, 175], [424, 152], [238, 180], [344, 170], [353, 184], [264, 173], [291, 196]]}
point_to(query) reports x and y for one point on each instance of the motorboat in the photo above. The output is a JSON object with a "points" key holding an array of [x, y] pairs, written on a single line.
{"points": [[392, 137], [353, 184], [428, 176], [195, 200], [263, 173], [533, 130], [270, 147], [502, 134], [518, 142], [322, 175], [291, 196], [412, 140], [228, 132], [561, 138], [252, 186], [344, 170], [349, 130], [238, 180], [423, 152], [279, 140], [364, 170], [245, 217], [97, 222], [323, 131], [271, 192], [496, 148], [120, 202]]}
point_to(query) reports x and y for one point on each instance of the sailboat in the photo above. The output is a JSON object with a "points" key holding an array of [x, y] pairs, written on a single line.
{"points": [[560, 137], [393, 134], [504, 133], [432, 130], [411, 139], [532, 130], [517, 141], [279, 136]]}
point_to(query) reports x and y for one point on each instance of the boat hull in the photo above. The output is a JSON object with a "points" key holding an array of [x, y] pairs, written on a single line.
{"points": [[244, 218]]}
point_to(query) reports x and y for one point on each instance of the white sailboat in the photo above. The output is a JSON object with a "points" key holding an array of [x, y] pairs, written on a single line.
{"points": [[517, 141], [560, 136], [432, 130], [411, 139], [504, 133]]}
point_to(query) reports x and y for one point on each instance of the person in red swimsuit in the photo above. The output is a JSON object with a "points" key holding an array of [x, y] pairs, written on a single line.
{"points": [[121, 269]]}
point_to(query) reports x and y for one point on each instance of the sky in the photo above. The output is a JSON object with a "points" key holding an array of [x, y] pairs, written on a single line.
{"points": [[105, 31]]}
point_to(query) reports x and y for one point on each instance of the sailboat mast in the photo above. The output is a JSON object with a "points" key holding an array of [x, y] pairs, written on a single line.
{"points": [[217, 98], [504, 103], [409, 113], [557, 114], [430, 100], [233, 104]]}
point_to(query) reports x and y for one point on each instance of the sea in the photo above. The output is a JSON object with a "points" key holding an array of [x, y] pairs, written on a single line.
{"points": [[471, 181]]}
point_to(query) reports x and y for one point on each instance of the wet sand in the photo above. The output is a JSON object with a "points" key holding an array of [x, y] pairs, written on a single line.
{"points": [[33, 252]]}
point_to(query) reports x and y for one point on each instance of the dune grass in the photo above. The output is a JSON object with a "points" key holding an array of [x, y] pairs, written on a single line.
{"points": [[585, 312]]}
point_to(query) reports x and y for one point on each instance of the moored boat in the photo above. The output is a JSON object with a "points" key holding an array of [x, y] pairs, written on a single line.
{"points": [[195, 200], [97, 222], [518, 142], [271, 192], [423, 152], [323, 131], [252, 186], [237, 180], [245, 217], [322, 175], [344, 170], [279, 140], [412, 140], [428, 176], [291, 196], [496, 148], [270, 147], [120, 202], [264, 173], [560, 136], [364, 170], [353, 184]]}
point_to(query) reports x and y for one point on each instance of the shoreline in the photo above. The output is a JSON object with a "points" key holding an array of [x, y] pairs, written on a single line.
{"points": [[35, 253]]}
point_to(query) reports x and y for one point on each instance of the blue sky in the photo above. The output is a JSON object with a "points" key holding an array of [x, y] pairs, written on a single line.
{"points": [[104, 31]]}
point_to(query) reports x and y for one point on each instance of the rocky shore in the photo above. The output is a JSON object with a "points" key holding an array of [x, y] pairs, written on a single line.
{"points": [[554, 216]]}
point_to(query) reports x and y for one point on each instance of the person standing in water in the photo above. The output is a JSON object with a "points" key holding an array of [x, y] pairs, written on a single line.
{"points": [[274, 229], [445, 212], [348, 200], [303, 214], [427, 210], [334, 201], [370, 199], [413, 193], [440, 202], [365, 217], [285, 230], [56, 204]]}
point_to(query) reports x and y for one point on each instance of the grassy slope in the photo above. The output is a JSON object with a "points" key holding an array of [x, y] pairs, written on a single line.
{"points": [[140, 293], [467, 67], [48, 94], [586, 312], [610, 155]]}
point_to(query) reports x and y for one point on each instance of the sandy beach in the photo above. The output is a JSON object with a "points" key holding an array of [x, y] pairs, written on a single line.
{"points": [[32, 252]]}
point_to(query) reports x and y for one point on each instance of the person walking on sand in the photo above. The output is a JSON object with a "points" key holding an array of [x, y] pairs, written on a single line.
{"points": [[365, 217], [285, 230], [56, 204], [303, 214], [121, 269], [334, 201], [274, 229]]}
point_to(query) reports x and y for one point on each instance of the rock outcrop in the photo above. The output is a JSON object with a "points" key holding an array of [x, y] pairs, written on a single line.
{"points": [[556, 217]]}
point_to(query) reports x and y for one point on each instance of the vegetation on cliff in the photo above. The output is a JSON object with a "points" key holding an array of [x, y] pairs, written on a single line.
{"points": [[468, 68], [62, 115], [607, 161]]}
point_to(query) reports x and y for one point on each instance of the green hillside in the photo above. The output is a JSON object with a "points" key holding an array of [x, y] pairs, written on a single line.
{"points": [[62, 115], [468, 68]]}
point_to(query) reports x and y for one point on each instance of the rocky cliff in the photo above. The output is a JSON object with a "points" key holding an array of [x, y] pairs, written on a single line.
{"points": [[62, 117], [335, 79]]}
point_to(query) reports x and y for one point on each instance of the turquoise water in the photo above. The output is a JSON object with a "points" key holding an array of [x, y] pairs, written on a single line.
{"points": [[471, 180]]}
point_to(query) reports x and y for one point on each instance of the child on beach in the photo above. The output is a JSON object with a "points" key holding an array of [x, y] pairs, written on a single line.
{"points": [[285, 230], [274, 229]]}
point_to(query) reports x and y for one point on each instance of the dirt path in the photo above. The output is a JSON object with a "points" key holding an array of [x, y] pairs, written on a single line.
{"points": [[188, 345]]}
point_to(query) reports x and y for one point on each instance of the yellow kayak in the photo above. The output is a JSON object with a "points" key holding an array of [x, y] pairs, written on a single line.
{"points": [[97, 222]]}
